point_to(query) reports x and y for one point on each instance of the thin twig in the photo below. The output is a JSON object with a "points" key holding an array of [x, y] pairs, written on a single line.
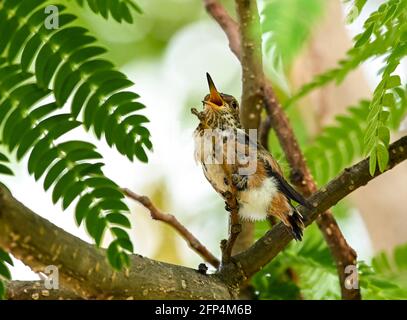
{"points": [[169, 219], [235, 228], [247, 10]]}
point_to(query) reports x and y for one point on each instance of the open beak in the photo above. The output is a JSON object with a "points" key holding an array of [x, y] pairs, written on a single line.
{"points": [[215, 99]]}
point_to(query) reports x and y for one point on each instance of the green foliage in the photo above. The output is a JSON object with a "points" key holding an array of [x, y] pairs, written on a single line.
{"points": [[287, 25], [71, 168], [120, 10], [63, 65], [384, 32], [4, 169], [306, 271], [303, 270], [338, 145], [66, 61], [377, 134], [357, 7], [387, 276], [5, 260]]}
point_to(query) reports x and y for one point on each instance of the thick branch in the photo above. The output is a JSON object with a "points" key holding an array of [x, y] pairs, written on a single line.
{"points": [[253, 73], [169, 219], [275, 240], [84, 269], [35, 290]]}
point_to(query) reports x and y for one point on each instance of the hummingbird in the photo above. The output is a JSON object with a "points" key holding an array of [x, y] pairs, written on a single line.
{"points": [[261, 192]]}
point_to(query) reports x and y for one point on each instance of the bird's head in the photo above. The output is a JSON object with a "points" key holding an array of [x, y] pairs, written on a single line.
{"points": [[221, 111]]}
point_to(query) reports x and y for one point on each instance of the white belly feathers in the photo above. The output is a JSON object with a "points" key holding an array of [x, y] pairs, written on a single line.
{"points": [[254, 204]]}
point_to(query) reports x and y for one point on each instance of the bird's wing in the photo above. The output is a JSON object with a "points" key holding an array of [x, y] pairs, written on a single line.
{"points": [[212, 179], [283, 185]]}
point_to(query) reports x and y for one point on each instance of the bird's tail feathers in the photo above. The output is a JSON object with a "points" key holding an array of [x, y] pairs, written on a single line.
{"points": [[296, 224]]}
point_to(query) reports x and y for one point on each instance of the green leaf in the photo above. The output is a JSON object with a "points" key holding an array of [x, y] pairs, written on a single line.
{"points": [[66, 180], [382, 156], [383, 134], [2, 290], [5, 170], [106, 193], [113, 255], [95, 224], [54, 173], [71, 193], [364, 37], [113, 204], [82, 208], [140, 153], [45, 162], [393, 81], [97, 182], [119, 233], [125, 244], [37, 153], [4, 256], [118, 9], [4, 271], [372, 162], [3, 158], [119, 219]]}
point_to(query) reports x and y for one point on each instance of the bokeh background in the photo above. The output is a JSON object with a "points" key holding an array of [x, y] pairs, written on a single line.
{"points": [[166, 52]]}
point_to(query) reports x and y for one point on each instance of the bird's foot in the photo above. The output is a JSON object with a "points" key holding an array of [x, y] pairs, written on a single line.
{"points": [[227, 195], [229, 208], [240, 182]]}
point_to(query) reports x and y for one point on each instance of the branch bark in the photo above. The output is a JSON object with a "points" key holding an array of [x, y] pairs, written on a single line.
{"points": [[35, 290], [169, 219], [262, 94], [84, 269], [252, 63]]}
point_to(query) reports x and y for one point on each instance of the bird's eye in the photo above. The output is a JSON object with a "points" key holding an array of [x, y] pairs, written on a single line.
{"points": [[234, 104]]}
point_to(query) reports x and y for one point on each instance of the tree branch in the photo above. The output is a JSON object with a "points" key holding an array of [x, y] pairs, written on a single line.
{"points": [[275, 240], [84, 269], [169, 219], [35, 290], [263, 95], [234, 225], [231, 28], [252, 64]]}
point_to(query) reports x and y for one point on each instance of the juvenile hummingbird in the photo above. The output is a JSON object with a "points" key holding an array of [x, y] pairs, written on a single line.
{"points": [[260, 192]]}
